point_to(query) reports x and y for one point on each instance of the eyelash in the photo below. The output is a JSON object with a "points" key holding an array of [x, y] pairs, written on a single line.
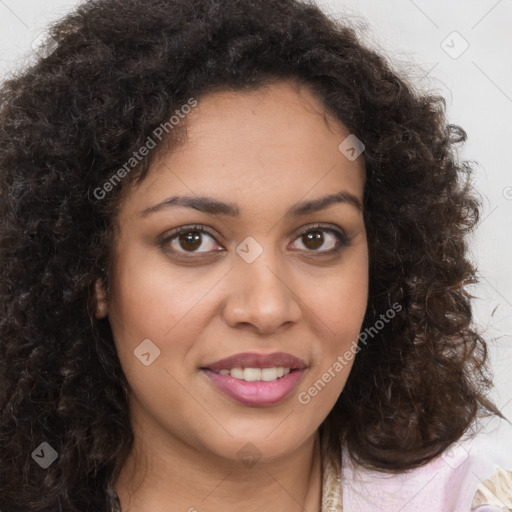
{"points": [[343, 239]]}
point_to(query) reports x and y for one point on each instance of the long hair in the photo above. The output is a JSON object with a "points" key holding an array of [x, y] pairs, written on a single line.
{"points": [[69, 122]]}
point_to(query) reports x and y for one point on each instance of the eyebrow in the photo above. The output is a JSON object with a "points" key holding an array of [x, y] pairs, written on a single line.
{"points": [[213, 206]]}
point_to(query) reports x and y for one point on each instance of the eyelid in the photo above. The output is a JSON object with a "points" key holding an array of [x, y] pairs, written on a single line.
{"points": [[343, 239], [321, 227], [170, 235]]}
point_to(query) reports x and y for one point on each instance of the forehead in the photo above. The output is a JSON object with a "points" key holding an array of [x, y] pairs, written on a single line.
{"points": [[285, 118], [279, 137]]}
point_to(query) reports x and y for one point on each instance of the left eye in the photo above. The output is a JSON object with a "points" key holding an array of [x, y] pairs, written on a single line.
{"points": [[190, 239], [314, 238]]}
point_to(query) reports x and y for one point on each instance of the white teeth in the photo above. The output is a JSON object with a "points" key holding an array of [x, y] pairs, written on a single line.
{"points": [[257, 374], [252, 374], [238, 373], [268, 374]]}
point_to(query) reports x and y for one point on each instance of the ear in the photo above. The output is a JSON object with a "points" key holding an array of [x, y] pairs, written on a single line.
{"points": [[101, 299]]}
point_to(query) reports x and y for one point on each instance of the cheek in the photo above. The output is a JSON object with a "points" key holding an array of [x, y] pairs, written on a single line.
{"points": [[151, 300], [340, 299], [339, 306], [151, 303], [154, 299], [346, 310], [334, 356]]}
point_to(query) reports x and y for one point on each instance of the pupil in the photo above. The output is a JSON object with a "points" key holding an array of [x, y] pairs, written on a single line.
{"points": [[313, 240], [191, 237], [314, 237]]}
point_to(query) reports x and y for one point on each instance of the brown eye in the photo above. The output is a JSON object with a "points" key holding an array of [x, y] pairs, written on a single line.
{"points": [[316, 239], [330, 239], [313, 239], [189, 240]]}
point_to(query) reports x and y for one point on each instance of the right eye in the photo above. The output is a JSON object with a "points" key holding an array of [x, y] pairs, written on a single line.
{"points": [[188, 239]]}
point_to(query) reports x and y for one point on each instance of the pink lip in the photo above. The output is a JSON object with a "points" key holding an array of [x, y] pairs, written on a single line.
{"points": [[258, 393], [255, 360]]}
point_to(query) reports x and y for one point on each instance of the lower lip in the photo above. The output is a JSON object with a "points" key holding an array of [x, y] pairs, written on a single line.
{"points": [[257, 393]]}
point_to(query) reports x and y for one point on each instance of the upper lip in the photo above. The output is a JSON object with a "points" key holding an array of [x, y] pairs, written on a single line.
{"points": [[255, 360]]}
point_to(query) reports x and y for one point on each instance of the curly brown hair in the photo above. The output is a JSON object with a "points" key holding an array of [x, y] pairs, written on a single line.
{"points": [[74, 117]]}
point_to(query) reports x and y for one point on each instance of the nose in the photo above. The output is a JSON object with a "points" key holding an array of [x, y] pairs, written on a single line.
{"points": [[262, 296]]}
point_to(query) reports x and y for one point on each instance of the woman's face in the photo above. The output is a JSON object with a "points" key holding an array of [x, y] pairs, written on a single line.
{"points": [[251, 285]]}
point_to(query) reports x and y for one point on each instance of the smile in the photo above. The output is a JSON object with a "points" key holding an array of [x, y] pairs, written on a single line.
{"points": [[256, 379], [256, 374]]}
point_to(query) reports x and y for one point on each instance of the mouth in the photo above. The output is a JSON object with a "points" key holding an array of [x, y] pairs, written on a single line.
{"points": [[255, 379], [256, 374]]}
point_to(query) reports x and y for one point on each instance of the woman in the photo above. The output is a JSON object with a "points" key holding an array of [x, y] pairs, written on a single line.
{"points": [[235, 268]]}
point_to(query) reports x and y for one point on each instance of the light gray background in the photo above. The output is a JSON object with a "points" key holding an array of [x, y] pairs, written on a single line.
{"points": [[477, 86]]}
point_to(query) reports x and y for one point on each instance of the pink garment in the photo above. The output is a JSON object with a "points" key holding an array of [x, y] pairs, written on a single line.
{"points": [[446, 484]]}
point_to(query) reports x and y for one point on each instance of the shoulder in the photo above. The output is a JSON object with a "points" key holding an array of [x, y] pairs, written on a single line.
{"points": [[474, 472]]}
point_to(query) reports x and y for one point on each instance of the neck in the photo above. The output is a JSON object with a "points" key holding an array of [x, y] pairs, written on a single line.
{"points": [[154, 479]]}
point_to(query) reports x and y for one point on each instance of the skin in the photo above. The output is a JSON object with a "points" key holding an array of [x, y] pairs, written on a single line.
{"points": [[264, 150]]}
